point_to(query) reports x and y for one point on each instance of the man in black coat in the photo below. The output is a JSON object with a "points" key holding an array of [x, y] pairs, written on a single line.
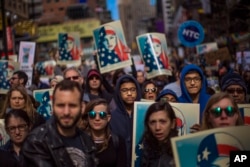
{"points": [[59, 142]]}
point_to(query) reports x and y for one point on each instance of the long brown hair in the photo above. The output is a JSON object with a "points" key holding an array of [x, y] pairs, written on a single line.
{"points": [[152, 143], [215, 99], [89, 107], [28, 107]]}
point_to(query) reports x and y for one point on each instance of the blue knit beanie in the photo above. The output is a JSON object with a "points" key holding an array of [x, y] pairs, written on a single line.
{"points": [[165, 92], [233, 78]]}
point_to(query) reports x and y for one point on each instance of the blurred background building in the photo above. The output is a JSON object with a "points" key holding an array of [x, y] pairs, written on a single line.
{"points": [[226, 22]]}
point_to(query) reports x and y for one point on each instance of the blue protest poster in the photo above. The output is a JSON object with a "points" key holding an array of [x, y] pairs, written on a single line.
{"points": [[210, 147], [6, 71], [245, 111], [191, 33], [46, 68], [153, 49], [187, 115], [69, 48], [112, 50], [44, 97]]}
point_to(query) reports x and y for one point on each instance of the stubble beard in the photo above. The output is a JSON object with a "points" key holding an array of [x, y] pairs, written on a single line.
{"points": [[68, 126]]}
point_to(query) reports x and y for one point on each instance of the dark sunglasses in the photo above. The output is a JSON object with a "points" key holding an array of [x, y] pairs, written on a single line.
{"points": [[229, 110], [73, 78], [150, 90], [102, 114], [238, 91]]}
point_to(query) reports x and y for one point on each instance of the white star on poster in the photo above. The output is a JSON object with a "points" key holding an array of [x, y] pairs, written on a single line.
{"points": [[109, 57], [199, 158], [141, 146], [135, 156], [205, 154]]}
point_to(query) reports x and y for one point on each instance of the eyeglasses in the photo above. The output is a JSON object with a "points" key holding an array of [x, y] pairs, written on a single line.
{"points": [[152, 90], [126, 90], [229, 110], [195, 79], [22, 127], [166, 99], [237, 90], [102, 114], [72, 78], [13, 78]]}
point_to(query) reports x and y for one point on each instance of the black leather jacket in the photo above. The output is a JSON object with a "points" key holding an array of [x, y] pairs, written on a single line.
{"points": [[44, 148]]}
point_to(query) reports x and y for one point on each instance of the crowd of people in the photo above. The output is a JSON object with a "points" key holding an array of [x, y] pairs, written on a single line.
{"points": [[92, 120]]}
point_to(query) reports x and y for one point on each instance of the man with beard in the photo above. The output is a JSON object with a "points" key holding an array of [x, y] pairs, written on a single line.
{"points": [[59, 142]]}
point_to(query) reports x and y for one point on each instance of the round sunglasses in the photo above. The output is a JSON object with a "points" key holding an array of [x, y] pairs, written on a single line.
{"points": [[229, 110], [92, 114]]}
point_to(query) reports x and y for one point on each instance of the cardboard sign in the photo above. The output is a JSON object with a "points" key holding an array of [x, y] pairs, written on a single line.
{"points": [[187, 115], [210, 147], [153, 48], [221, 54], [112, 50], [44, 96]]}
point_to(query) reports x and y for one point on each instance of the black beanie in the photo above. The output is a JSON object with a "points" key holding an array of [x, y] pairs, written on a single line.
{"points": [[233, 78]]}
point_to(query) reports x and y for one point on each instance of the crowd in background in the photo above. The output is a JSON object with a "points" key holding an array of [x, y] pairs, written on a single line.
{"points": [[92, 120]]}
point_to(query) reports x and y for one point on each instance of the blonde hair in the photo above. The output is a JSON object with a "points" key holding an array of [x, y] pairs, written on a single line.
{"points": [[214, 99]]}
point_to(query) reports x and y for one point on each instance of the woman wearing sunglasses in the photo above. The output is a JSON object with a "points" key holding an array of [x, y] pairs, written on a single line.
{"points": [[221, 111], [149, 90], [111, 150]]}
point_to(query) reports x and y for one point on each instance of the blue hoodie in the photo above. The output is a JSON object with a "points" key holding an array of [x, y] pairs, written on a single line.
{"points": [[121, 122], [185, 97], [166, 92]]}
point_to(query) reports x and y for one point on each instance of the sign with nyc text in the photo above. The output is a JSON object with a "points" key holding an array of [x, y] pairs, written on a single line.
{"points": [[191, 33]]}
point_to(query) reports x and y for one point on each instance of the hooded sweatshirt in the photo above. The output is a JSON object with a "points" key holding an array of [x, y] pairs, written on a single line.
{"points": [[203, 96], [102, 93], [121, 122]]}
